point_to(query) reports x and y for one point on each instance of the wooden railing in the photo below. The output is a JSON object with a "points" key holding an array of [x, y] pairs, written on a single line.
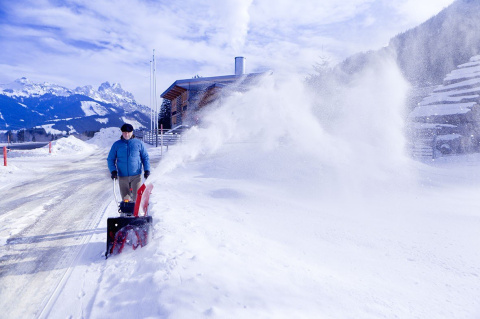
{"points": [[160, 139]]}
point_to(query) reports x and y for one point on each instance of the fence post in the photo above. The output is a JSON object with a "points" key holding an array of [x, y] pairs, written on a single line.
{"points": [[161, 139], [4, 156]]}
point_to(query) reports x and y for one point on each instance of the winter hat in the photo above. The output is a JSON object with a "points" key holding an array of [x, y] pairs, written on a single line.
{"points": [[127, 128]]}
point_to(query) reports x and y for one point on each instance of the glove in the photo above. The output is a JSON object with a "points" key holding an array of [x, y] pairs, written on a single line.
{"points": [[114, 174], [146, 174]]}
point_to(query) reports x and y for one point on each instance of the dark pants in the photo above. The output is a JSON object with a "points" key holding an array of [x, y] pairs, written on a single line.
{"points": [[129, 185]]}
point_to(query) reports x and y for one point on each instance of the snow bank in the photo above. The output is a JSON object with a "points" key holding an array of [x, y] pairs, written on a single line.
{"points": [[64, 146], [6, 171], [19, 162], [106, 137], [71, 145], [24, 165]]}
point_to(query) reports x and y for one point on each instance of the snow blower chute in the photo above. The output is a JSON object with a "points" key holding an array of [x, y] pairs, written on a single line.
{"points": [[133, 227]]}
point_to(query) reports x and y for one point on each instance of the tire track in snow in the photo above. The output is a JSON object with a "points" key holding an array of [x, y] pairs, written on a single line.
{"points": [[44, 246], [58, 290]]}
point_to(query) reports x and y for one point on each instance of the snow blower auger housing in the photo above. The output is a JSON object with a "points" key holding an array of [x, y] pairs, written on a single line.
{"points": [[133, 227]]}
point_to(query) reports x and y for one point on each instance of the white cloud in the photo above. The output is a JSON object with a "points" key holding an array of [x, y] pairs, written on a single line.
{"points": [[84, 42], [418, 11], [234, 19]]}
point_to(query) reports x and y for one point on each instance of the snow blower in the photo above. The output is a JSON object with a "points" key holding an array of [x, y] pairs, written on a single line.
{"points": [[133, 227]]}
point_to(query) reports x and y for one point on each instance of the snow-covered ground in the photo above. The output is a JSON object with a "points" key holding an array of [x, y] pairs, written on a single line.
{"points": [[270, 211]]}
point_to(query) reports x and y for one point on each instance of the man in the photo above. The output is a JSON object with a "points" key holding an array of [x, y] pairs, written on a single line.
{"points": [[125, 161]]}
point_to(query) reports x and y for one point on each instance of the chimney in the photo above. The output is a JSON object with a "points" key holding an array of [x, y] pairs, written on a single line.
{"points": [[239, 65]]}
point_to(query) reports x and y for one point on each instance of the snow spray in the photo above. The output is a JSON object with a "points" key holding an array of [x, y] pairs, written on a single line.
{"points": [[349, 139]]}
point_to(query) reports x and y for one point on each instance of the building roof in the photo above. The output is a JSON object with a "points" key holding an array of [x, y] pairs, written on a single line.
{"points": [[180, 86]]}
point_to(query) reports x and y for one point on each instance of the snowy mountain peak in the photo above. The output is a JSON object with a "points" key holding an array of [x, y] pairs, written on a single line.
{"points": [[106, 92], [116, 89], [25, 87], [104, 86], [23, 81], [109, 93]]}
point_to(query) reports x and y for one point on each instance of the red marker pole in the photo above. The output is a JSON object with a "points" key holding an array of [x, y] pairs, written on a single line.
{"points": [[4, 156], [50, 147]]}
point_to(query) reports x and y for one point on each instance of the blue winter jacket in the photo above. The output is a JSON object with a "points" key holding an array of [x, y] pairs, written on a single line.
{"points": [[127, 156]]}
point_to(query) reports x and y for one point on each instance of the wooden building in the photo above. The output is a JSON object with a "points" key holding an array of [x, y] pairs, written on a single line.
{"points": [[188, 96]]}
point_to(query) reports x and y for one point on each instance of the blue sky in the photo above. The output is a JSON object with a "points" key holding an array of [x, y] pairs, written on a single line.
{"points": [[82, 42]]}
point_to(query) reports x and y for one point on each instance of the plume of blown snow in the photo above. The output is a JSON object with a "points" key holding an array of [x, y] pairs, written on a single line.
{"points": [[277, 131]]}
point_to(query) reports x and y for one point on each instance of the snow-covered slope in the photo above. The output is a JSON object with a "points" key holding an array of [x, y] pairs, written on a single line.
{"points": [[459, 93], [450, 115], [268, 221]]}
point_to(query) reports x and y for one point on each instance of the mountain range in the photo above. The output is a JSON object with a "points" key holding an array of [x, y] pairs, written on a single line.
{"points": [[24, 105], [427, 53]]}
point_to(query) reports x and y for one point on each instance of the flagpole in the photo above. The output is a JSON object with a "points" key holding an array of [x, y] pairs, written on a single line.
{"points": [[155, 123]]}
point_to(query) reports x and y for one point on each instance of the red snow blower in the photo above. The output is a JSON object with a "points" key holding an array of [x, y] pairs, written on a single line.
{"points": [[133, 227]]}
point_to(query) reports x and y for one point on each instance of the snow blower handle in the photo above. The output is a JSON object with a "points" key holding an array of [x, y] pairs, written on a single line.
{"points": [[115, 194]]}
